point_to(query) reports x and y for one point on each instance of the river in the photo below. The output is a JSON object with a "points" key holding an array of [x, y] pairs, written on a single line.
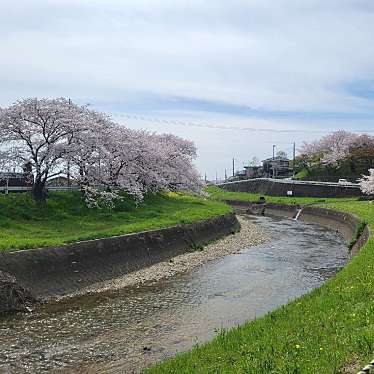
{"points": [[127, 330]]}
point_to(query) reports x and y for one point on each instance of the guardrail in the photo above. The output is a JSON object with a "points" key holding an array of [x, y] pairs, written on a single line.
{"points": [[24, 189], [293, 181]]}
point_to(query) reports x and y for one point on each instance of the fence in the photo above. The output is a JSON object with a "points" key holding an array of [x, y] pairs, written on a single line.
{"points": [[7, 189]]}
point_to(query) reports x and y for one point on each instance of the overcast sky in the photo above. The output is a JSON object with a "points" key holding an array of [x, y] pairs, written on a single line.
{"points": [[177, 66]]}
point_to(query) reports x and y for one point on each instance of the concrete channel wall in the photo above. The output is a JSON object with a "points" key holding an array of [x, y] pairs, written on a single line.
{"points": [[57, 271], [345, 223], [273, 187]]}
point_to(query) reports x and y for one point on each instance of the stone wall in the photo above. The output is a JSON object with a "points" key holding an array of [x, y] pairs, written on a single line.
{"points": [[56, 271], [280, 188]]}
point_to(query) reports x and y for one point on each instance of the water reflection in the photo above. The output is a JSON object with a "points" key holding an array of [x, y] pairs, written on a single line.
{"points": [[126, 330]]}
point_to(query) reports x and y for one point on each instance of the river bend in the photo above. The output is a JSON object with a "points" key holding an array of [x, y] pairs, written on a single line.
{"points": [[126, 330]]}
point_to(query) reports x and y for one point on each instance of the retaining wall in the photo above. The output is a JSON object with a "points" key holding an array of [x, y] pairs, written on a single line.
{"points": [[280, 188], [57, 271], [346, 223]]}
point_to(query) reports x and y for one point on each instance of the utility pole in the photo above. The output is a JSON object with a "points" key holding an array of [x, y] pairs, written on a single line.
{"points": [[205, 177], [7, 185], [216, 178], [69, 183], [294, 158], [225, 175], [233, 167], [273, 165], [68, 162]]}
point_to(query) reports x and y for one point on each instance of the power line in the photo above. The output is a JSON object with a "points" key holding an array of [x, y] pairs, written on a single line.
{"points": [[221, 127]]}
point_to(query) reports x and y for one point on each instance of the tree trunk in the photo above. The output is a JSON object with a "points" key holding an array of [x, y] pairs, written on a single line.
{"points": [[38, 190]]}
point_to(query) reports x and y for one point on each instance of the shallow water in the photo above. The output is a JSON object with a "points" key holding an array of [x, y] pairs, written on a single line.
{"points": [[126, 330]]}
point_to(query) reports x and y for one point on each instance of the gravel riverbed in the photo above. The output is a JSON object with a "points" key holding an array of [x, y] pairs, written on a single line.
{"points": [[249, 235]]}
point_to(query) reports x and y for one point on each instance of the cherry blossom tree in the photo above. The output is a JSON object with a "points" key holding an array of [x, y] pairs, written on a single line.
{"points": [[367, 183], [111, 161], [176, 156], [41, 132], [107, 159], [336, 146], [136, 162], [332, 147]]}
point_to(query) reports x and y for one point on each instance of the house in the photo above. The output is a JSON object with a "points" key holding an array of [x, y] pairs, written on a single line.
{"points": [[240, 174], [16, 180], [61, 181], [277, 167], [252, 172], [13, 179], [249, 172]]}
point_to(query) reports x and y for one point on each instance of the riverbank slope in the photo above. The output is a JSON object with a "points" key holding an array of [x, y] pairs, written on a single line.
{"points": [[249, 235], [187, 222], [64, 218]]}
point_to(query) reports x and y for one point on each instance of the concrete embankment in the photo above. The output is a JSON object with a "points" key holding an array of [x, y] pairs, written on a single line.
{"points": [[250, 234], [57, 271], [345, 223], [275, 187]]}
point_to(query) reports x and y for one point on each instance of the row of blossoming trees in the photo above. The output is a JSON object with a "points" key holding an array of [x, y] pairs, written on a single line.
{"points": [[55, 136], [342, 147]]}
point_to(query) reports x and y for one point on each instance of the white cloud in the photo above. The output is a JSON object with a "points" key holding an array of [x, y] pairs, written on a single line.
{"points": [[285, 55]]}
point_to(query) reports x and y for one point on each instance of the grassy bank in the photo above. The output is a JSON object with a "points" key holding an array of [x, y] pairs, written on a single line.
{"points": [[330, 330], [65, 218]]}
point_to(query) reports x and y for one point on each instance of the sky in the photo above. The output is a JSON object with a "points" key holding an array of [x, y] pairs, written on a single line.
{"points": [[234, 76]]}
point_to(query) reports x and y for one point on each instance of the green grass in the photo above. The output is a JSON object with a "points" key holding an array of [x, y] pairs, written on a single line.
{"points": [[325, 331], [220, 194], [65, 219], [302, 174]]}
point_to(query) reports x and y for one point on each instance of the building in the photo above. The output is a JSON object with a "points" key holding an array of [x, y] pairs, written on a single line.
{"points": [[277, 167], [61, 181], [274, 167], [13, 179], [252, 172], [16, 180], [249, 172]]}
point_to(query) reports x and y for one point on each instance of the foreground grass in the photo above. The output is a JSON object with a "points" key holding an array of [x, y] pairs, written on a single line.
{"points": [[220, 194], [330, 330], [65, 218]]}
